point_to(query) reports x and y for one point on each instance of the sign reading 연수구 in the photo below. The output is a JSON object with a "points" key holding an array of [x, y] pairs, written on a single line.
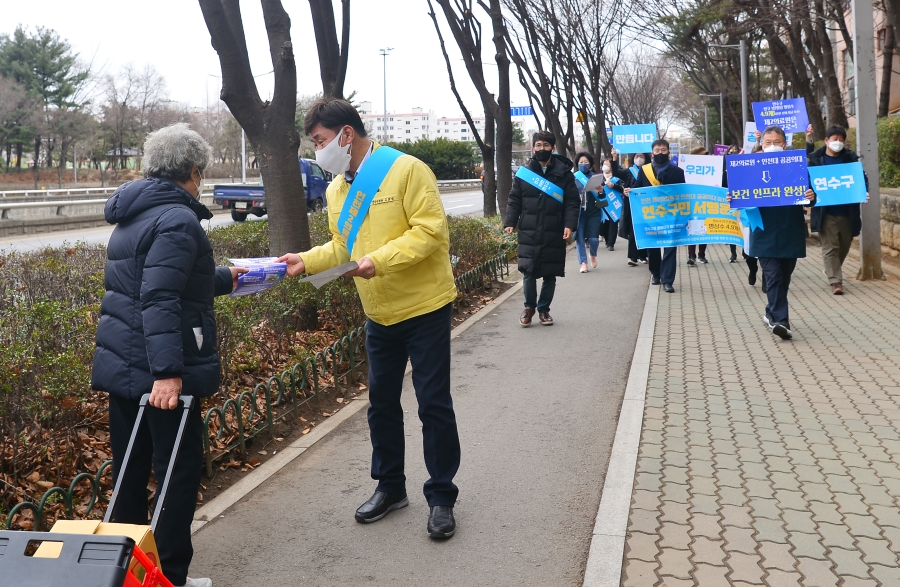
{"points": [[683, 214], [634, 138], [838, 184], [703, 169], [790, 115], [761, 180]]}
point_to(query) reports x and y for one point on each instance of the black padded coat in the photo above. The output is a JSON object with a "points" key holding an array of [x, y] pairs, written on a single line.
{"points": [[160, 283], [541, 218]]}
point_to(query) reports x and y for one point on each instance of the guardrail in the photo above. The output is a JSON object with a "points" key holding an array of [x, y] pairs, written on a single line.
{"points": [[68, 192], [252, 412], [59, 205]]}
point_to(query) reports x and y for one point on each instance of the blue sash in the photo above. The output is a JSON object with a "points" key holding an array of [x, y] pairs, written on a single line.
{"points": [[543, 185], [634, 171], [362, 192], [581, 177]]}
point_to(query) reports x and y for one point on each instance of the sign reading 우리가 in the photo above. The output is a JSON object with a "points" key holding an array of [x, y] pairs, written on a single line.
{"points": [[634, 138], [703, 169], [790, 115], [683, 214], [838, 184], [761, 180]]}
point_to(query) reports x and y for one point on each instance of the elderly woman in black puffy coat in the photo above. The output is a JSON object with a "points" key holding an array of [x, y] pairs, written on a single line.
{"points": [[157, 334]]}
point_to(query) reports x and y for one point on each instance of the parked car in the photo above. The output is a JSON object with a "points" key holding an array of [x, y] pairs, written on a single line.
{"points": [[245, 199]]}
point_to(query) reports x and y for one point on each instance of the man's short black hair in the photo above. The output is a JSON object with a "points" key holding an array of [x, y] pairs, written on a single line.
{"points": [[543, 135], [660, 143], [836, 130], [333, 114]]}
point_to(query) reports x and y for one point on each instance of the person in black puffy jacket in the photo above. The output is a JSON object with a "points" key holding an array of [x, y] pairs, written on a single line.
{"points": [[157, 334]]}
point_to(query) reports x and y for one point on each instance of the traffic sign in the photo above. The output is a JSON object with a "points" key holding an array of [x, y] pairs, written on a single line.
{"points": [[521, 111]]}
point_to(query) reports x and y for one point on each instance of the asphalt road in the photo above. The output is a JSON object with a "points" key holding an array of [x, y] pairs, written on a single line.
{"points": [[458, 203], [537, 410]]}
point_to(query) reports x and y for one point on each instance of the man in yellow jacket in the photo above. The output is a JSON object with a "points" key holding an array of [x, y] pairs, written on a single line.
{"points": [[400, 239]]}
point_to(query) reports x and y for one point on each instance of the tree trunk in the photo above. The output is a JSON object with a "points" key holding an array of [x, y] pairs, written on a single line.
{"points": [[887, 62], [489, 185], [332, 58], [503, 114], [269, 125], [37, 160]]}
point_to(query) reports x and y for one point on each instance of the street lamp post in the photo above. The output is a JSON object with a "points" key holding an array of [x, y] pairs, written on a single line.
{"points": [[384, 53], [742, 46], [721, 119]]}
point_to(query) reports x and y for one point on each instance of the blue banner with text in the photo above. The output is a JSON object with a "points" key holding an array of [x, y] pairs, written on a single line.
{"points": [[762, 180], [790, 115], [634, 138], [683, 214]]}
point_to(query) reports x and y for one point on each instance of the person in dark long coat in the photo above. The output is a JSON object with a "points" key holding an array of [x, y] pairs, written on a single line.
{"points": [[546, 219], [627, 177]]}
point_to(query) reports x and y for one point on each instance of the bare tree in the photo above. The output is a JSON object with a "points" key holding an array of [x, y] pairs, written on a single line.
{"points": [[332, 58], [269, 125], [497, 140]]}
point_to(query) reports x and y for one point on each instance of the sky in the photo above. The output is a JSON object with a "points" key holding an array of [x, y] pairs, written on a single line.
{"points": [[171, 36]]}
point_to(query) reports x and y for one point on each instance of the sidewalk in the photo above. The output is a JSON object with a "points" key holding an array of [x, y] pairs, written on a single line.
{"points": [[762, 461], [537, 410]]}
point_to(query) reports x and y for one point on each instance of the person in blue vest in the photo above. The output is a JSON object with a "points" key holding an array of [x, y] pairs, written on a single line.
{"points": [[779, 244], [405, 282], [660, 171], [627, 177], [590, 214], [609, 228], [836, 225], [543, 204]]}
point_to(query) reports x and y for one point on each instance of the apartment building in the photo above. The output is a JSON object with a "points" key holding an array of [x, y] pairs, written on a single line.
{"points": [[406, 127]]}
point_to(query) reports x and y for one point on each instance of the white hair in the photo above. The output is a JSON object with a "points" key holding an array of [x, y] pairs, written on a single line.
{"points": [[172, 151]]}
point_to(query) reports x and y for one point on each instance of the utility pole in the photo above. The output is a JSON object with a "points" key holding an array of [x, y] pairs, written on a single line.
{"points": [[867, 138], [243, 157], [75, 161], [384, 53], [742, 46], [721, 119]]}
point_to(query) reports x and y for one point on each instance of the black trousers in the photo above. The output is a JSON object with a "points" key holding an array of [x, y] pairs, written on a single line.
{"points": [[777, 274], [635, 253], [425, 341], [609, 230], [663, 264], [153, 448]]}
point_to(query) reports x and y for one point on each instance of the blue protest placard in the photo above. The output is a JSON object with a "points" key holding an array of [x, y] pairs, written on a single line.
{"points": [[760, 180], [683, 214], [838, 184], [634, 138], [790, 115]]}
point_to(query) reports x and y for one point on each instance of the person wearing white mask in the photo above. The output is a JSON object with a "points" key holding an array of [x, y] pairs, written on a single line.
{"points": [[779, 245], [405, 282], [627, 177], [836, 225], [609, 229]]}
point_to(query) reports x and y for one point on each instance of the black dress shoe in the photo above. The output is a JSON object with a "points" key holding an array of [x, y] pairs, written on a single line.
{"points": [[667, 287], [654, 280], [440, 522], [379, 505]]}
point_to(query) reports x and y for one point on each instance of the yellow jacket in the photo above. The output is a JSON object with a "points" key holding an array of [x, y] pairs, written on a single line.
{"points": [[406, 236]]}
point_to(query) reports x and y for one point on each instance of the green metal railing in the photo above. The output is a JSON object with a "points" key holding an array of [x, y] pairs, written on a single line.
{"points": [[296, 386]]}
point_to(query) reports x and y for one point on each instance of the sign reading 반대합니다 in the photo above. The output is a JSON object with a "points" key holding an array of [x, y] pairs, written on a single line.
{"points": [[634, 138], [790, 115], [702, 169], [838, 184], [762, 180], [683, 214]]}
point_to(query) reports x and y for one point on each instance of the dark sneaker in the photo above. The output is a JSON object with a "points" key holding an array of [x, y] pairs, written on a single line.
{"points": [[525, 318], [545, 318], [783, 330], [751, 279], [632, 263], [702, 260], [732, 260], [692, 261], [380, 505], [642, 261], [654, 280], [610, 248], [837, 288], [440, 522]]}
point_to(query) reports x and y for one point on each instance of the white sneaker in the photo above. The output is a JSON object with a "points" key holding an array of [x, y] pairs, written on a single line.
{"points": [[198, 583]]}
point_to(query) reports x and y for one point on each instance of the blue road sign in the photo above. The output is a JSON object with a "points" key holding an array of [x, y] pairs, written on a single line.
{"points": [[521, 111]]}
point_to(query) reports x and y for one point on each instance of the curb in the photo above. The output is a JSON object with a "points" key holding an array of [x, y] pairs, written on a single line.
{"points": [[605, 558], [217, 507]]}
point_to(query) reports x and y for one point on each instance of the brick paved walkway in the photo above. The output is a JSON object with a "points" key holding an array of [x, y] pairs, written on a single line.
{"points": [[769, 462]]}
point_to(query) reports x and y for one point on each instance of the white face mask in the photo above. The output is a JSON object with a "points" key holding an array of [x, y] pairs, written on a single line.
{"points": [[639, 161], [836, 146], [773, 149], [334, 158], [606, 169], [199, 187]]}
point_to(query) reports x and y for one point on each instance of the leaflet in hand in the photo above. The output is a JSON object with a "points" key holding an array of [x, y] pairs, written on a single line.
{"points": [[264, 273], [329, 275]]}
